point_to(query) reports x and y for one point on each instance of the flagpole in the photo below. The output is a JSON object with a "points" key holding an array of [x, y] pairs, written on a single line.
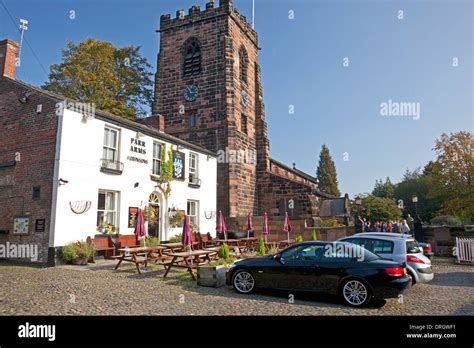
{"points": [[253, 14]]}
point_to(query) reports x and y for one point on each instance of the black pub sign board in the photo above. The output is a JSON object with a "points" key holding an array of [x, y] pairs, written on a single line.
{"points": [[178, 165]]}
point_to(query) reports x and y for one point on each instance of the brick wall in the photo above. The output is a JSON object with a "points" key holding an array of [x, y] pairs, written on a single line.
{"points": [[30, 139]]}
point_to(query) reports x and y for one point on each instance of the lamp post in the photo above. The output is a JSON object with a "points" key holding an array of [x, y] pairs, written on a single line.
{"points": [[417, 223], [358, 202]]}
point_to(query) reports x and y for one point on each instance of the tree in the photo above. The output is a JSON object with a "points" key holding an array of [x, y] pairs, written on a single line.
{"points": [[383, 190], [326, 173], [116, 80], [378, 209], [453, 173]]}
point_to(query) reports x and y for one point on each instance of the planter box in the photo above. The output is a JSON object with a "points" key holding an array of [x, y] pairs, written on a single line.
{"points": [[213, 276]]}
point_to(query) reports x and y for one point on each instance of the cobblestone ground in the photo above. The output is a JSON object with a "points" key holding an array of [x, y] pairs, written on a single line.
{"points": [[72, 290]]}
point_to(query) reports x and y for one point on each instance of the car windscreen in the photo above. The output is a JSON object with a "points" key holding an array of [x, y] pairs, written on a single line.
{"points": [[413, 247]]}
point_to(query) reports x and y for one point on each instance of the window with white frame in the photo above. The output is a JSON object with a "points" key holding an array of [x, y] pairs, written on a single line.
{"points": [[111, 141], [107, 211], [157, 148], [193, 212], [193, 168]]}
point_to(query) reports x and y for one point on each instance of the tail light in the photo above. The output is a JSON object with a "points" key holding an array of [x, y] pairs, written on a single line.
{"points": [[414, 259], [395, 271], [427, 249]]}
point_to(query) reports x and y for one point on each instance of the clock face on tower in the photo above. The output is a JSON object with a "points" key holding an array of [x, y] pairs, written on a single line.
{"points": [[190, 93]]}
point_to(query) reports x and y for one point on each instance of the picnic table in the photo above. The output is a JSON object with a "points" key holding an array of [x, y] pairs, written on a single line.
{"points": [[141, 255], [286, 243], [249, 243], [175, 246], [271, 245], [235, 243], [189, 260]]}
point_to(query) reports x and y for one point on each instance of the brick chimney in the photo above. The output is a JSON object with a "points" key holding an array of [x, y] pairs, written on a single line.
{"points": [[8, 53], [155, 121]]}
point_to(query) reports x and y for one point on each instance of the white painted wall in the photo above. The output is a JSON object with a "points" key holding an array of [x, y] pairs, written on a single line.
{"points": [[79, 164]]}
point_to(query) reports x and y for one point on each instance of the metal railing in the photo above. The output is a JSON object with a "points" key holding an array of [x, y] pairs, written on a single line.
{"points": [[110, 166]]}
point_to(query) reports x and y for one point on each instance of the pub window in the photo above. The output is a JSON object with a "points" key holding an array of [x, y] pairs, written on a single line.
{"points": [[156, 169], [111, 140], [107, 211], [36, 192], [243, 64], [193, 212], [192, 58], [243, 124], [193, 168], [193, 121]]}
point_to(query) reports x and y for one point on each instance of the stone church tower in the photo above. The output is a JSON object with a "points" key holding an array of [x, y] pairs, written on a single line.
{"points": [[208, 88]]}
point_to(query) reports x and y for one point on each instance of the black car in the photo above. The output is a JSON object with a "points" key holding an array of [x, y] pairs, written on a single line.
{"points": [[339, 268]]}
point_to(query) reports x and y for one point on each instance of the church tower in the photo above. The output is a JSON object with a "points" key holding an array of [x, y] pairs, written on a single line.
{"points": [[208, 89]]}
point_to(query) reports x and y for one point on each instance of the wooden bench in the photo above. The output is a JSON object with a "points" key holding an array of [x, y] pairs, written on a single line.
{"points": [[205, 240], [102, 244], [127, 241]]}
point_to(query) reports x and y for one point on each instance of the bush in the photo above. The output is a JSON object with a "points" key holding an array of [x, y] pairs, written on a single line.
{"points": [[314, 236], [298, 239], [176, 239], [446, 220], [261, 247], [149, 241], [330, 223], [78, 251], [224, 252]]}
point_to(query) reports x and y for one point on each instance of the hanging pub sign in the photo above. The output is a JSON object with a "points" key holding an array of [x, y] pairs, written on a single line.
{"points": [[132, 216], [178, 165]]}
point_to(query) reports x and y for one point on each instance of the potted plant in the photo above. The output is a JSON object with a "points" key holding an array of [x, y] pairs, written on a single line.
{"points": [[78, 253], [214, 273]]}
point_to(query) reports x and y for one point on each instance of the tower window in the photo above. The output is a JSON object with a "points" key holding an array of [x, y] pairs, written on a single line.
{"points": [[193, 120], [243, 64], [192, 58], [243, 124]]}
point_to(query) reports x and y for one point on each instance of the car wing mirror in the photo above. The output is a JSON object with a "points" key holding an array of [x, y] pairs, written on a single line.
{"points": [[277, 257]]}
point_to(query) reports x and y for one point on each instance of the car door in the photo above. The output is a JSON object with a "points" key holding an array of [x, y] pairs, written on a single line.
{"points": [[297, 267], [330, 269]]}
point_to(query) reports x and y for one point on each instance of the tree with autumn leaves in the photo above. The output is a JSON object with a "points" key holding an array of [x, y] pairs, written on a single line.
{"points": [[117, 80]]}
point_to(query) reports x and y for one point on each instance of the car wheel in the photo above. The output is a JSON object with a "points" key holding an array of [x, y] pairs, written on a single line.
{"points": [[355, 293], [243, 281]]}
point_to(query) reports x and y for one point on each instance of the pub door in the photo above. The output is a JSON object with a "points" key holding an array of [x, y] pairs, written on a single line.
{"points": [[154, 220]]}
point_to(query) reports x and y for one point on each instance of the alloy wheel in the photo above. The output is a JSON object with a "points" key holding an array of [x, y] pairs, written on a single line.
{"points": [[355, 293], [244, 282]]}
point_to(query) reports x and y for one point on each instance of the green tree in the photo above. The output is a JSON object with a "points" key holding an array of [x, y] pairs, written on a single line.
{"points": [[383, 189], [314, 236], [326, 173], [378, 209], [453, 173], [116, 80], [261, 247]]}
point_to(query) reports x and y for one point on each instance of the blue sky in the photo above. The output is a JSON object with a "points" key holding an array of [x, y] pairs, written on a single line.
{"points": [[403, 60]]}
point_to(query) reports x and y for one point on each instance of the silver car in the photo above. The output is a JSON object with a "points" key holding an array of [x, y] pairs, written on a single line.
{"points": [[396, 247]]}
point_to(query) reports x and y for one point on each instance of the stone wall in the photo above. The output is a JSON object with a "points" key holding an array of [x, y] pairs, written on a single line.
{"points": [[443, 238]]}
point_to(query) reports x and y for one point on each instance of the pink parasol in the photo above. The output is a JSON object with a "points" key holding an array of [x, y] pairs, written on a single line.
{"points": [[187, 236], [287, 226], [249, 225], [221, 226]]}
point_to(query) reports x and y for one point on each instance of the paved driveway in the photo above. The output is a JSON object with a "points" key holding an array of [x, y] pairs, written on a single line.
{"points": [[73, 290]]}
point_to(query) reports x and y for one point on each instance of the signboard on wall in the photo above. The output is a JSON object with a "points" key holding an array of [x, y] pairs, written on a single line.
{"points": [[39, 225], [132, 216], [178, 165], [20, 224]]}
